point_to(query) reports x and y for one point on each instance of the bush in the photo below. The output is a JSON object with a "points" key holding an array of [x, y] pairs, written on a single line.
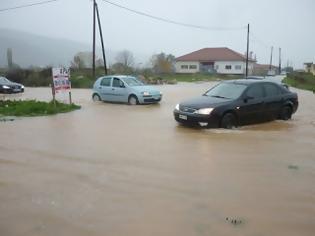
{"points": [[80, 78], [30, 78], [301, 80], [34, 108]]}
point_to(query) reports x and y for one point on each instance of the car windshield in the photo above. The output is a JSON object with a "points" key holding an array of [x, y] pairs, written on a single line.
{"points": [[4, 80], [131, 81], [226, 90]]}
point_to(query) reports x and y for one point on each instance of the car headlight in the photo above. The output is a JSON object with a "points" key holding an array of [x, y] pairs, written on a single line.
{"points": [[146, 94], [204, 111], [177, 107], [161, 93], [5, 87], [22, 86]]}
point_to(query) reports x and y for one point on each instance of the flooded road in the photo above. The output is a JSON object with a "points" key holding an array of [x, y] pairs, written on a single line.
{"points": [[115, 170]]}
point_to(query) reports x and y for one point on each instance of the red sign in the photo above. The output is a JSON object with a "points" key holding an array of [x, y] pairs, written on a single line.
{"points": [[61, 79]]}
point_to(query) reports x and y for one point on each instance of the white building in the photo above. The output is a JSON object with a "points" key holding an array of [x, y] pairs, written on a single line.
{"points": [[214, 60], [309, 67]]}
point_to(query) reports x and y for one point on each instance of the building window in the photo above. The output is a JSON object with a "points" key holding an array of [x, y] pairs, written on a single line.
{"points": [[217, 67], [184, 67], [192, 67], [238, 67], [228, 67]]}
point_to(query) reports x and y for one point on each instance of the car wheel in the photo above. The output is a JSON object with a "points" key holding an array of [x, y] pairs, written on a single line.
{"points": [[96, 98], [133, 100], [228, 121], [286, 113]]}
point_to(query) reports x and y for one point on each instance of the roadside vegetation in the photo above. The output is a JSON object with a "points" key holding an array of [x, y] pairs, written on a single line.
{"points": [[159, 70], [195, 77], [301, 80], [34, 108], [82, 78]]}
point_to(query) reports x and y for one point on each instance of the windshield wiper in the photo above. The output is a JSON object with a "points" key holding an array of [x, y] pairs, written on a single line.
{"points": [[217, 96]]}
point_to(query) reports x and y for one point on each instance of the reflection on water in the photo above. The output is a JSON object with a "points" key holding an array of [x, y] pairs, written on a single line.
{"points": [[114, 169]]}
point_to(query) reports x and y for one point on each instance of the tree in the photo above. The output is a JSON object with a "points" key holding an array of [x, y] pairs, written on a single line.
{"points": [[77, 62], [162, 63], [10, 58], [124, 63], [99, 62], [126, 58], [82, 60], [11, 64], [120, 68]]}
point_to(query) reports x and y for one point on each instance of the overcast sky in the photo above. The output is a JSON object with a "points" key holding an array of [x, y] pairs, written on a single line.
{"points": [[288, 24]]}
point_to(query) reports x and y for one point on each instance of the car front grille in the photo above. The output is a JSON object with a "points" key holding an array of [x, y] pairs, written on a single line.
{"points": [[152, 99], [187, 109]]}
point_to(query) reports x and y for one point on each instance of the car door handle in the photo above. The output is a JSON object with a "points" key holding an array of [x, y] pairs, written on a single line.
{"points": [[113, 89], [99, 87]]}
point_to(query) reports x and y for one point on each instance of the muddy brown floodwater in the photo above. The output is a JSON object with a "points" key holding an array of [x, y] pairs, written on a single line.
{"points": [[116, 170]]}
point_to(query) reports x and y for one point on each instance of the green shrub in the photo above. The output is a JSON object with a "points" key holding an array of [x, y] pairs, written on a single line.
{"points": [[301, 80], [34, 108]]}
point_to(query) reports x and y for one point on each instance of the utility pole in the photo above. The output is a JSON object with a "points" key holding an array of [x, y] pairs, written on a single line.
{"points": [[247, 51], [279, 61], [93, 56], [270, 65], [101, 35]]}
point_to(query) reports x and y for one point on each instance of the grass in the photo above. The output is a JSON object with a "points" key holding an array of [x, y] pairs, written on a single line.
{"points": [[301, 80], [34, 108]]}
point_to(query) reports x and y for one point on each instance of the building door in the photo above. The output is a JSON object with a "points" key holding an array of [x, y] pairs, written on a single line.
{"points": [[207, 67]]}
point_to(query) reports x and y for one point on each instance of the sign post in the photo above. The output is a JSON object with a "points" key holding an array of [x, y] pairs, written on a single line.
{"points": [[53, 94], [61, 81]]}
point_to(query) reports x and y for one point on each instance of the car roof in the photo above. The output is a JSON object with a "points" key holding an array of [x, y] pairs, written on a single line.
{"points": [[119, 76], [255, 77], [245, 81]]}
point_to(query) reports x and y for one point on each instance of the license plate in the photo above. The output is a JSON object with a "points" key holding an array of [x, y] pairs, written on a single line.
{"points": [[183, 117], [16, 90]]}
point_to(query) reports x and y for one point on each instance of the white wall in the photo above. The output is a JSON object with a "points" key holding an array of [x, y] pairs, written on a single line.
{"points": [[219, 66], [179, 69]]}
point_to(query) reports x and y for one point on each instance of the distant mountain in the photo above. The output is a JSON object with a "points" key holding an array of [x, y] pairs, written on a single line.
{"points": [[30, 49]]}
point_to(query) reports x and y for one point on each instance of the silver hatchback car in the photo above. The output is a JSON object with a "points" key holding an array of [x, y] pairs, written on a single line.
{"points": [[124, 89]]}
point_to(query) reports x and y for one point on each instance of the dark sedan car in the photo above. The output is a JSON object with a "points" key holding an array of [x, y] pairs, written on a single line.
{"points": [[7, 86], [238, 102]]}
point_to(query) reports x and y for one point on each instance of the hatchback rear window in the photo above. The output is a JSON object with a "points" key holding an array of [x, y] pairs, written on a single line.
{"points": [[106, 82]]}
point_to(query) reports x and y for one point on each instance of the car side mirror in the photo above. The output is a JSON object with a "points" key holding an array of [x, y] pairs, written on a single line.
{"points": [[122, 86]]}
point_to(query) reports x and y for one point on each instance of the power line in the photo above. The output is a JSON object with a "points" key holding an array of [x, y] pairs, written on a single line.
{"points": [[261, 42], [175, 22], [27, 5]]}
